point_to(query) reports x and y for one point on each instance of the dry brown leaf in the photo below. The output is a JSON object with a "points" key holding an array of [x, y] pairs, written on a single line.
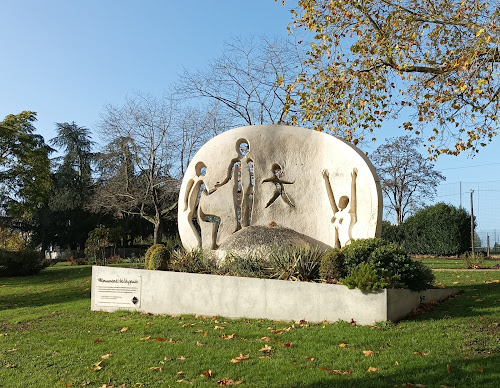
{"points": [[169, 358], [208, 373], [342, 345], [266, 349], [10, 350], [157, 368], [219, 328], [98, 341], [106, 356], [240, 358], [336, 371], [372, 369], [288, 344], [368, 352], [198, 343], [264, 356], [225, 336], [145, 338], [180, 372], [226, 381], [188, 325], [159, 339], [98, 366], [198, 331], [448, 368], [310, 358], [182, 358], [396, 363], [481, 370], [205, 334], [265, 339], [8, 366], [124, 329]]}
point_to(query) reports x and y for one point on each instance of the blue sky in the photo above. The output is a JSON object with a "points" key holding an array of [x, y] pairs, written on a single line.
{"points": [[67, 59]]}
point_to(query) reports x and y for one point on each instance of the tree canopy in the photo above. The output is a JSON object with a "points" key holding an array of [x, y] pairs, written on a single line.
{"points": [[24, 166], [431, 64]]}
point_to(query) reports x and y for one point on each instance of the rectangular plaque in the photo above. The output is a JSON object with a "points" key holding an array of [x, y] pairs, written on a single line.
{"points": [[118, 291]]}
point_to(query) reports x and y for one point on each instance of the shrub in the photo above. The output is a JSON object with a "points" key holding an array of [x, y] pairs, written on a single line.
{"points": [[21, 263], [195, 261], [147, 256], [332, 266], [473, 260], [249, 265], [159, 258], [96, 243], [295, 263], [389, 261], [392, 233], [367, 277], [437, 230]]}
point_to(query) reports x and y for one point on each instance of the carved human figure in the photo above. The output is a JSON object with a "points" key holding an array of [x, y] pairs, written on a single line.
{"points": [[243, 181], [343, 218], [195, 187], [279, 184]]}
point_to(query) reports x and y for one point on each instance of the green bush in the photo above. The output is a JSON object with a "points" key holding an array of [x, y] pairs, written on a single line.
{"points": [[473, 259], [391, 266], [392, 233], [159, 258], [332, 266], [249, 265], [295, 263], [367, 277], [437, 230], [21, 263], [195, 261], [147, 256]]}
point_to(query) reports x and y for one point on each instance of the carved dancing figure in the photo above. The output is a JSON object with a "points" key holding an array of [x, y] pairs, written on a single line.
{"points": [[343, 219], [279, 183]]}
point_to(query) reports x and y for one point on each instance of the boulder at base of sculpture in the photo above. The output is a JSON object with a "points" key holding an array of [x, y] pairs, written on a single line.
{"points": [[315, 184]]}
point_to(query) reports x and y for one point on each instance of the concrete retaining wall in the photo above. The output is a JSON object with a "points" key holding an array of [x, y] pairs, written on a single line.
{"points": [[237, 297]]}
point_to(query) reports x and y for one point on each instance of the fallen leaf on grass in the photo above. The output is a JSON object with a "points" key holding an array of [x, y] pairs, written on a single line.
{"points": [[264, 356], [265, 339], [368, 352], [169, 358], [448, 368], [372, 369], [310, 358], [198, 343], [225, 382], [266, 349], [157, 368], [225, 336], [159, 339], [342, 345], [10, 350], [396, 362], [182, 358], [240, 358], [124, 329], [98, 366], [188, 325], [180, 372], [8, 366], [219, 328], [336, 371], [98, 341], [145, 338], [288, 345], [208, 373], [198, 331], [480, 370], [106, 356]]}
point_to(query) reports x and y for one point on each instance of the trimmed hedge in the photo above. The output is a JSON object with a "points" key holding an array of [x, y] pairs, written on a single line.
{"points": [[21, 263]]}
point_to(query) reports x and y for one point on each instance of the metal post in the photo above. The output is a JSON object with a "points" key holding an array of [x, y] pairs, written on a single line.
{"points": [[460, 193], [472, 220], [487, 245]]}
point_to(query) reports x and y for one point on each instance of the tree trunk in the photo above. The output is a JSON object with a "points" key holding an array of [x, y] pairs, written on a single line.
{"points": [[158, 234]]}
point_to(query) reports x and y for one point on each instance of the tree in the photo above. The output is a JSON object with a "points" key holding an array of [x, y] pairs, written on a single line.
{"points": [[248, 81], [134, 169], [406, 177], [24, 167], [372, 60]]}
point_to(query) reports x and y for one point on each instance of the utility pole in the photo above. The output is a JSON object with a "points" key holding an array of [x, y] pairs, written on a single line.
{"points": [[487, 245], [472, 220]]}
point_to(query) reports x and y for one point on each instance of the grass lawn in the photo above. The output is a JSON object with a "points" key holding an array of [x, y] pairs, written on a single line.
{"points": [[50, 338]]}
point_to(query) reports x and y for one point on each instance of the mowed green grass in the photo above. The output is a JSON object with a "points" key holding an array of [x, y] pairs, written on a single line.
{"points": [[50, 338], [453, 262]]}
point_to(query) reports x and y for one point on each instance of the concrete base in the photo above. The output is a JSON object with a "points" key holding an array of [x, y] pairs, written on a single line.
{"points": [[163, 292]]}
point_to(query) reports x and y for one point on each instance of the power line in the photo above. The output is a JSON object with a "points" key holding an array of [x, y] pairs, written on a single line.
{"points": [[477, 165]]}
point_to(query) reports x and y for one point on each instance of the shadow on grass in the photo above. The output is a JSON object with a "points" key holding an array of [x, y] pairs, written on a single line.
{"points": [[479, 372]]}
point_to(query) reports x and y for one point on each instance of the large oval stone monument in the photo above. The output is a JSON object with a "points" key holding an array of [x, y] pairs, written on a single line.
{"points": [[315, 184]]}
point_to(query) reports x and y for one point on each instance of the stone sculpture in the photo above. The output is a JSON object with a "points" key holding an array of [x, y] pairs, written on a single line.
{"points": [[313, 183]]}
